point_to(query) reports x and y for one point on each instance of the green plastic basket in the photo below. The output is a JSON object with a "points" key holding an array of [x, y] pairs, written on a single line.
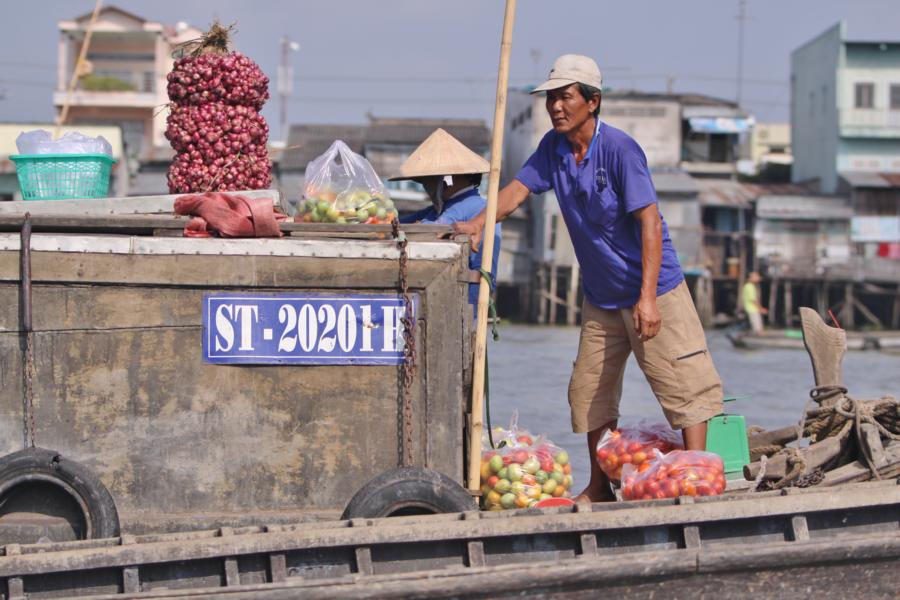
{"points": [[63, 176]]}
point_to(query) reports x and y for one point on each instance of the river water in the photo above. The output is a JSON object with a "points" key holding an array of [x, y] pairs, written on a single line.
{"points": [[530, 368]]}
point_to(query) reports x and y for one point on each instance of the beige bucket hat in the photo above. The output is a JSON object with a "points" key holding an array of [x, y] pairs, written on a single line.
{"points": [[569, 69], [441, 154]]}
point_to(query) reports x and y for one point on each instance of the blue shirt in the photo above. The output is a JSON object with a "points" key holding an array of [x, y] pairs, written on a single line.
{"points": [[463, 207], [596, 199]]}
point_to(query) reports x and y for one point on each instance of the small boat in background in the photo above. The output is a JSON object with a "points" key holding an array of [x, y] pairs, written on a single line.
{"points": [[888, 340]]}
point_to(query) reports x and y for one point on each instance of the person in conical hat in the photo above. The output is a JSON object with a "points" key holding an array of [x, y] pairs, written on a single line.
{"points": [[450, 174]]}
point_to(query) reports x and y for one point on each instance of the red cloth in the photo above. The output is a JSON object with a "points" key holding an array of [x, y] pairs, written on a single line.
{"points": [[229, 215]]}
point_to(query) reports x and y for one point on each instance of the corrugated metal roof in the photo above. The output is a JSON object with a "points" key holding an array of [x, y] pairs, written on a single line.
{"points": [[803, 207], [734, 194], [677, 182], [871, 179], [305, 142]]}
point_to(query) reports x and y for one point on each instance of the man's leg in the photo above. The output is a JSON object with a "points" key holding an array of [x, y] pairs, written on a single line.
{"points": [[678, 367], [694, 436], [598, 489], [596, 387], [756, 324]]}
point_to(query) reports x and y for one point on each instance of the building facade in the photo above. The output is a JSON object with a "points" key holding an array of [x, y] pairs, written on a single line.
{"points": [[124, 83], [845, 108]]}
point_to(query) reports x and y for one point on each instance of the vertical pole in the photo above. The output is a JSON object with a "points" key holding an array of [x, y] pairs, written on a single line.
{"points": [[283, 87], [572, 297], [847, 317], [788, 304], [895, 317], [554, 293], [474, 472], [742, 17], [773, 300], [541, 288], [76, 72]]}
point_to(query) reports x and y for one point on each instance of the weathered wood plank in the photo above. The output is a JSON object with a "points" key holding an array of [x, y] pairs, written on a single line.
{"points": [[395, 530], [216, 272]]}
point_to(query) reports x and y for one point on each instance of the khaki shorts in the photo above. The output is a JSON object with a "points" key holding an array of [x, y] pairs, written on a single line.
{"points": [[676, 363]]}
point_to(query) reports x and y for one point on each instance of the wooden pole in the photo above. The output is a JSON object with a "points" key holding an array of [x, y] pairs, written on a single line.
{"points": [[572, 297], [487, 252], [76, 72]]}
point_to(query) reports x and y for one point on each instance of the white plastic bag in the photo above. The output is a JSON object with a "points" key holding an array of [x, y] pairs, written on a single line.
{"points": [[40, 141], [342, 187]]}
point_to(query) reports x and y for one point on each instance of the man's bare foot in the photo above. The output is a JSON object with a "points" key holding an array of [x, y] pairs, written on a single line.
{"points": [[595, 493]]}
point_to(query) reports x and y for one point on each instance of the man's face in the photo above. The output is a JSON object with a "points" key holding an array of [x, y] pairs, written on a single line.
{"points": [[568, 109]]}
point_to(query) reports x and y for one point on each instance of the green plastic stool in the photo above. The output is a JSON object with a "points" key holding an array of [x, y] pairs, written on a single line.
{"points": [[726, 435]]}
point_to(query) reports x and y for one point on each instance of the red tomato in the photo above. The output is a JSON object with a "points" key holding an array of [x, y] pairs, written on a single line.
{"points": [[670, 487], [492, 481], [525, 439], [652, 487], [646, 497], [643, 467], [660, 494], [612, 460], [639, 457], [520, 456], [602, 453], [635, 447], [687, 488], [624, 459], [547, 465], [638, 488], [567, 468], [622, 448], [528, 479]]}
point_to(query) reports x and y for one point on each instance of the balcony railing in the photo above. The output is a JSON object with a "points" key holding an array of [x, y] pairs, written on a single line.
{"points": [[871, 121]]}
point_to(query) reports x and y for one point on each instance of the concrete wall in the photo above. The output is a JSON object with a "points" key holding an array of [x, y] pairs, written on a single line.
{"points": [[654, 124], [814, 108]]}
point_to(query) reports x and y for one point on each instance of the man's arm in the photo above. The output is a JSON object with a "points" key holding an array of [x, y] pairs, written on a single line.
{"points": [[508, 200], [647, 320]]}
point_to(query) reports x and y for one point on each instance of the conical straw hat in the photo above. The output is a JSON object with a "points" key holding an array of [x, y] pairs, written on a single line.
{"points": [[441, 154]]}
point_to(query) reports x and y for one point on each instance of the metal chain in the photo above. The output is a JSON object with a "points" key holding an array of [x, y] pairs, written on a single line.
{"points": [[28, 366], [408, 369]]}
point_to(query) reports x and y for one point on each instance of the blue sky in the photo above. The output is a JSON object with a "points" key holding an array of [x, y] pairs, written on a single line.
{"points": [[439, 59]]}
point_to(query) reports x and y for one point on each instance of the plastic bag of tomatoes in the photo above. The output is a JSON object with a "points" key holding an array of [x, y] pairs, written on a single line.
{"points": [[678, 473], [634, 445], [522, 470]]}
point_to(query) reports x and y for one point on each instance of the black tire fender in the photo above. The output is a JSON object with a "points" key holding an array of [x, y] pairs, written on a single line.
{"points": [[408, 490], [49, 466]]}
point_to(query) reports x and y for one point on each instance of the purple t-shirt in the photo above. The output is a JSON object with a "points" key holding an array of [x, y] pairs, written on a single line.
{"points": [[596, 199]]}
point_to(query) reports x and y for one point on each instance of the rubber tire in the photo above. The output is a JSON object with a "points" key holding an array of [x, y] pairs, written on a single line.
{"points": [[21, 467], [413, 488]]}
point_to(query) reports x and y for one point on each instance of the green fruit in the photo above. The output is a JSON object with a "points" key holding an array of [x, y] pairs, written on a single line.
{"points": [[545, 496], [549, 486], [316, 217], [502, 486], [531, 466], [508, 500], [517, 487], [562, 457], [502, 473], [362, 214], [515, 472], [323, 206], [332, 214], [381, 213], [557, 476], [567, 482], [541, 476], [388, 204], [557, 467], [340, 220], [496, 463]]}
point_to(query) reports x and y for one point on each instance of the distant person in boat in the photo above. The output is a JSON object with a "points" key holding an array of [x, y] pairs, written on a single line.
{"points": [[450, 174], [636, 299], [750, 300]]}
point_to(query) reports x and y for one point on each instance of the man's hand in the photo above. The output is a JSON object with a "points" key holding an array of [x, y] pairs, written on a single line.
{"points": [[647, 321], [472, 229], [763, 310]]}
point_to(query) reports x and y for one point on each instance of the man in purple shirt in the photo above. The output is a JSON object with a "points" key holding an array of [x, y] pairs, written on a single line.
{"points": [[636, 299]]}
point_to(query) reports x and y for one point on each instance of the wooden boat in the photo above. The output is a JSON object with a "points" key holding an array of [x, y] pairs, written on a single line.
{"points": [[97, 296], [787, 543], [793, 339]]}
